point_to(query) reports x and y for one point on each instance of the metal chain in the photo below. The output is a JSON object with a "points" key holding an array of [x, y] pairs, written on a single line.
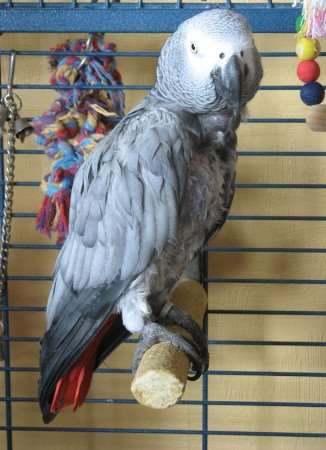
{"points": [[8, 196]]}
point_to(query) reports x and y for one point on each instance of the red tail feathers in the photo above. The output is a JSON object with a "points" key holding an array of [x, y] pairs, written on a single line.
{"points": [[73, 387]]}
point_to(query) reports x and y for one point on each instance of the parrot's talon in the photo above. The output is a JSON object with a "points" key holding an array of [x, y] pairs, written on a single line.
{"points": [[176, 316], [154, 333], [194, 374]]}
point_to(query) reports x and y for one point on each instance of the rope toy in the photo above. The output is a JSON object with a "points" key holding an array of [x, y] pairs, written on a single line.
{"points": [[75, 122], [314, 18], [310, 26]]}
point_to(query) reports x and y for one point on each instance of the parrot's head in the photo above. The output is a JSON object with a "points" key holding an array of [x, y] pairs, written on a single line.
{"points": [[210, 63]]}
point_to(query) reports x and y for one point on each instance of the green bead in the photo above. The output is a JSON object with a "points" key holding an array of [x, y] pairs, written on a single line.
{"points": [[299, 23]]}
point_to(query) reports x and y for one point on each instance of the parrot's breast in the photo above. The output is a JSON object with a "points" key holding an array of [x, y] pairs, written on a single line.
{"points": [[205, 205], [208, 194]]}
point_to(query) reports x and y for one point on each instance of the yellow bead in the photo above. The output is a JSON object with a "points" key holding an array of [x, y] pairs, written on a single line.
{"points": [[307, 48]]}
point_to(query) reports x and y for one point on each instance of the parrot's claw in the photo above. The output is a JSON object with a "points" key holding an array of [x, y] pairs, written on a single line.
{"points": [[175, 316], [154, 333]]}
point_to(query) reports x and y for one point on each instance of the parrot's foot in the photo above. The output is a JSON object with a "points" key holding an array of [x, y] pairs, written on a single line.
{"points": [[154, 333], [175, 316]]}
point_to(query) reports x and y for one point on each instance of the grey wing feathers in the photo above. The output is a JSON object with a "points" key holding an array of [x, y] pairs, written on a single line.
{"points": [[125, 202]]}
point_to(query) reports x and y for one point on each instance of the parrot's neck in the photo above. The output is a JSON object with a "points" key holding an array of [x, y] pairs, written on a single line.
{"points": [[218, 127], [218, 121], [156, 100], [157, 96], [211, 121], [219, 133]]}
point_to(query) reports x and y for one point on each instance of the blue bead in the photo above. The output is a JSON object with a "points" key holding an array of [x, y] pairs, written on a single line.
{"points": [[312, 93]]}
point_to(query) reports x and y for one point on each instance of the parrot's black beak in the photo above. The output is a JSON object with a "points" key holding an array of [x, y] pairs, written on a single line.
{"points": [[228, 85], [232, 81]]}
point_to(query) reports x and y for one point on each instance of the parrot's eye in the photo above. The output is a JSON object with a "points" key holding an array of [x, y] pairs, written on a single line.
{"points": [[222, 55], [193, 48]]}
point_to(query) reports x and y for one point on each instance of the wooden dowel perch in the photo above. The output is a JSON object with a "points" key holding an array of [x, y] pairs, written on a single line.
{"points": [[161, 376]]}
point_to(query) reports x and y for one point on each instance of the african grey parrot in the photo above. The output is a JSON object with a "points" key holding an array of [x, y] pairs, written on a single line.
{"points": [[152, 193]]}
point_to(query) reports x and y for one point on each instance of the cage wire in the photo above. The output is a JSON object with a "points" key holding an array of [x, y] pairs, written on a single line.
{"points": [[143, 17]]}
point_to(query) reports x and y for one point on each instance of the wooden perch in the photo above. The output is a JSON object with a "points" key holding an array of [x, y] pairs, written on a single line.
{"points": [[161, 376]]}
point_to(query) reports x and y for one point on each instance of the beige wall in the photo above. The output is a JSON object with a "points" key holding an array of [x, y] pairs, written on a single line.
{"points": [[303, 234]]}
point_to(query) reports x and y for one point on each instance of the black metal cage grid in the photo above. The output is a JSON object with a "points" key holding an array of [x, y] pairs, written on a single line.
{"points": [[144, 17]]}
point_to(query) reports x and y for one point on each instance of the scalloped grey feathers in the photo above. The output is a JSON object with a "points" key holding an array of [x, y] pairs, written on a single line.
{"points": [[124, 203]]}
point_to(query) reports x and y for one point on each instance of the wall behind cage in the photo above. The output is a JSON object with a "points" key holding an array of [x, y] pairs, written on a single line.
{"points": [[265, 287]]}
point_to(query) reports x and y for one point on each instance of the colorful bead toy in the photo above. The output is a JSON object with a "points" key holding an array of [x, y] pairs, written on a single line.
{"points": [[310, 26], [308, 70]]}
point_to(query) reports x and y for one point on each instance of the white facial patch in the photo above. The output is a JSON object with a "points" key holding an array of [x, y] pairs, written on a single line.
{"points": [[206, 53]]}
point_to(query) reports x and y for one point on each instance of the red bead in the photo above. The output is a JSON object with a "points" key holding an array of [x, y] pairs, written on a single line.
{"points": [[308, 71]]}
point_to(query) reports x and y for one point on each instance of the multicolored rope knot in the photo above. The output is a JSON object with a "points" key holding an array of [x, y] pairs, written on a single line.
{"points": [[75, 122], [314, 15]]}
